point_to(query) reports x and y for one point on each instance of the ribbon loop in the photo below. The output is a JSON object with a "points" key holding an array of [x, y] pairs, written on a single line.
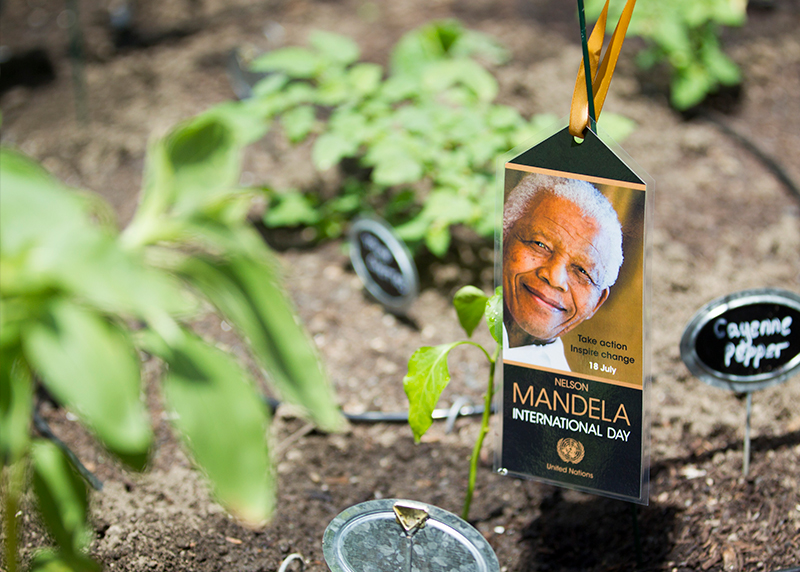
{"points": [[600, 76]]}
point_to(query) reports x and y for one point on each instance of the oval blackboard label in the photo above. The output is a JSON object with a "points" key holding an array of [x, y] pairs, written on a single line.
{"points": [[383, 263], [746, 341]]}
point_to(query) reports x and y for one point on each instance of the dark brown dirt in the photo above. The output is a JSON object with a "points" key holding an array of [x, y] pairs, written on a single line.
{"points": [[723, 222]]}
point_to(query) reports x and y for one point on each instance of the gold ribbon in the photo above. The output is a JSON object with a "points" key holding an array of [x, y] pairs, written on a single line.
{"points": [[601, 77]]}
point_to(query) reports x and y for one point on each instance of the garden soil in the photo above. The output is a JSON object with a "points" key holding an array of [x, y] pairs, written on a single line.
{"points": [[725, 220]]}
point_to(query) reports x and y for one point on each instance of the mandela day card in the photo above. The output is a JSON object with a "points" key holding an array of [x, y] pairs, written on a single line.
{"points": [[574, 390]]}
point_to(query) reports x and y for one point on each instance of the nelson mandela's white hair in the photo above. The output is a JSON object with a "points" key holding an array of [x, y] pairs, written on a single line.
{"points": [[588, 199]]}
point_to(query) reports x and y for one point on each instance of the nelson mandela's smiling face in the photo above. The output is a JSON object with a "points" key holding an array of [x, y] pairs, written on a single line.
{"points": [[552, 268]]}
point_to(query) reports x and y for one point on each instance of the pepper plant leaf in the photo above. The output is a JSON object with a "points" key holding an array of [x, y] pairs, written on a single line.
{"points": [[62, 498], [494, 315], [16, 403], [427, 377], [247, 293], [295, 62], [335, 47], [90, 365], [215, 407], [470, 304]]}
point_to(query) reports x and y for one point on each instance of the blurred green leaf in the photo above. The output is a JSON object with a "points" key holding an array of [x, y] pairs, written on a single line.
{"points": [[470, 304], [90, 366], [335, 47], [298, 122], [205, 157], [223, 422], [16, 404], [365, 78], [437, 238], [427, 377], [291, 209], [293, 61], [440, 76], [247, 293], [330, 148], [62, 498]]}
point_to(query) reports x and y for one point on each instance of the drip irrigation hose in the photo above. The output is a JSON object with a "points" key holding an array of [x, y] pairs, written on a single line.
{"points": [[769, 162], [462, 407], [44, 430]]}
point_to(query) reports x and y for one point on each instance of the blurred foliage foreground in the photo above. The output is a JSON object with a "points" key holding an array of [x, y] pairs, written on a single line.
{"points": [[82, 304]]}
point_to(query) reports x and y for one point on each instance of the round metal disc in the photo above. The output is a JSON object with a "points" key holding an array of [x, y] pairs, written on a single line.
{"points": [[368, 537]]}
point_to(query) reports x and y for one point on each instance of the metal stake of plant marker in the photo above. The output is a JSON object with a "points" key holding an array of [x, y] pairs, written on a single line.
{"points": [[746, 466]]}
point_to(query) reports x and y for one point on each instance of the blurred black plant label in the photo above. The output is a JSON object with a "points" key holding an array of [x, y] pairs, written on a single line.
{"points": [[745, 341], [576, 217], [383, 263]]}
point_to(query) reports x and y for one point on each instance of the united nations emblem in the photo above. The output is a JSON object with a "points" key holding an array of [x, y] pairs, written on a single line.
{"points": [[570, 450]]}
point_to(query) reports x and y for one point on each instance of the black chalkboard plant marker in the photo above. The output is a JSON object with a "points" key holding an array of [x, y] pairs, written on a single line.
{"points": [[744, 342]]}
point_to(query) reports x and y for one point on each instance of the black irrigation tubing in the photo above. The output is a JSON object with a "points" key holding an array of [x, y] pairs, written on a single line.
{"points": [[770, 163], [44, 430], [460, 408]]}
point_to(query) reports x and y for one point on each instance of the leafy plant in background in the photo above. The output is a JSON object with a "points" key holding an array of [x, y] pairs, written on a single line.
{"points": [[685, 35], [429, 374], [78, 298], [424, 136]]}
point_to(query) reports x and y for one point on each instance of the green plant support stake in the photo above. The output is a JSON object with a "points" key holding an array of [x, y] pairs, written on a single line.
{"points": [[586, 66]]}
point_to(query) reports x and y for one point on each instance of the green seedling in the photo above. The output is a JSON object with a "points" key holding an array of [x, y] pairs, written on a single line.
{"points": [[429, 374], [80, 301]]}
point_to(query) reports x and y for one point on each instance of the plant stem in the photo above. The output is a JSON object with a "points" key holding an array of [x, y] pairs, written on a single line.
{"points": [[476, 450], [12, 478]]}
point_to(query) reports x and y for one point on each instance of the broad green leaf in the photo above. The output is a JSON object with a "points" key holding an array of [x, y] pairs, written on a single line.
{"points": [[247, 293], [442, 75], [504, 117], [16, 404], [494, 315], [298, 122], [449, 206], [205, 158], [427, 377], [400, 169], [271, 84], [90, 366], [420, 47], [471, 43], [437, 238], [243, 119], [223, 422], [365, 78], [330, 148], [291, 209], [32, 203], [293, 61], [335, 47], [470, 304], [61, 496]]}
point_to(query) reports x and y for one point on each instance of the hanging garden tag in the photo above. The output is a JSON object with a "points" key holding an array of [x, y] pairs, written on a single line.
{"points": [[575, 220]]}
